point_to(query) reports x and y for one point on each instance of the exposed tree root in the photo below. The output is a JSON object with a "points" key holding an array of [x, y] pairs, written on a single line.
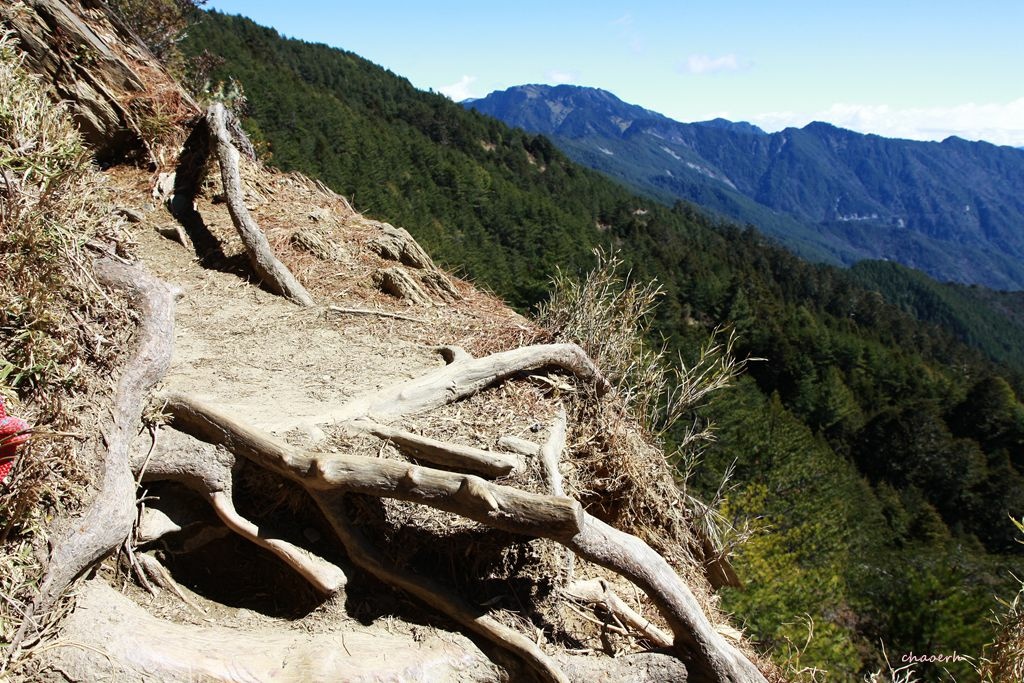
{"points": [[486, 463], [271, 271], [710, 656], [641, 667], [551, 453], [208, 468], [160, 576], [208, 471], [108, 521], [434, 594], [597, 592], [501, 507], [467, 376], [452, 353]]}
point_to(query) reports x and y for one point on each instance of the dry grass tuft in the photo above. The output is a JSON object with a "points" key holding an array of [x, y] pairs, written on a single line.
{"points": [[1006, 661], [59, 333], [610, 317], [619, 470]]}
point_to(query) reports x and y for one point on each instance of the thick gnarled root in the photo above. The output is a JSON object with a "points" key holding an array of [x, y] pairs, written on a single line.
{"points": [[708, 655], [108, 521]]}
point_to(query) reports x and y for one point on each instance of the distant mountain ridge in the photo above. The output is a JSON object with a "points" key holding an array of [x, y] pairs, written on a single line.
{"points": [[953, 209]]}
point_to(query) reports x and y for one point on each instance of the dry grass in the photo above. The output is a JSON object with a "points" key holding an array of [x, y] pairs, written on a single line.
{"points": [[1005, 663], [617, 466], [58, 332], [610, 315]]}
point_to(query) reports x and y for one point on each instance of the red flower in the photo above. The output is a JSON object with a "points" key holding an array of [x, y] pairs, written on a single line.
{"points": [[10, 439]]}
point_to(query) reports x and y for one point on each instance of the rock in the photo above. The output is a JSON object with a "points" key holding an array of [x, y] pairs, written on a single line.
{"points": [[397, 282], [396, 244], [319, 243], [55, 36], [129, 214]]}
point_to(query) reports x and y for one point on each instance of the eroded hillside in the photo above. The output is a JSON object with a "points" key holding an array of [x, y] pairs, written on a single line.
{"points": [[399, 478]]}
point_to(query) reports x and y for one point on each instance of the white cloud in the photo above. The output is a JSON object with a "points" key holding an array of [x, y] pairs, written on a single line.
{"points": [[706, 64], [557, 77], [459, 91], [998, 123], [628, 35]]}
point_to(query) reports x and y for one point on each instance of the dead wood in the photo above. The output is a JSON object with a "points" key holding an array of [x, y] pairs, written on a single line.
{"points": [[399, 284], [598, 592], [208, 471], [434, 594], [381, 314], [439, 284], [271, 271], [396, 244], [521, 446], [502, 507], [319, 243], [108, 521], [467, 376], [709, 656]]}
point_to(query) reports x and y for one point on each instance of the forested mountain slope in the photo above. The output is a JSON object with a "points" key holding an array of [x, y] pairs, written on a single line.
{"points": [[952, 209], [858, 442]]}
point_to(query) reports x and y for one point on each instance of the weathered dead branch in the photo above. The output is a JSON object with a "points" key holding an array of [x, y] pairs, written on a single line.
{"points": [[108, 520], [598, 592], [381, 314], [396, 244], [271, 271], [208, 471], [399, 284], [502, 507], [447, 454]]}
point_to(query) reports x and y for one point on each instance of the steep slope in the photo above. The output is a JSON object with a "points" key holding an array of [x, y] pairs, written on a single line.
{"points": [[845, 370], [306, 464], [951, 209], [987, 319]]}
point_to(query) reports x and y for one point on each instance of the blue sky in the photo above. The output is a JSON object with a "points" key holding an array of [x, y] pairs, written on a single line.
{"points": [[901, 68]]}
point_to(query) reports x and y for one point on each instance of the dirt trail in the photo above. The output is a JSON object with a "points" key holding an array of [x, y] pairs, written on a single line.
{"points": [[283, 367]]}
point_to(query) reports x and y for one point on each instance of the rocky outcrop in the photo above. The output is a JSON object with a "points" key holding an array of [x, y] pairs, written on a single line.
{"points": [[117, 91]]}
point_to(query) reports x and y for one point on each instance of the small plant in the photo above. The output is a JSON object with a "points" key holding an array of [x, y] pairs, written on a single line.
{"points": [[609, 315]]}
